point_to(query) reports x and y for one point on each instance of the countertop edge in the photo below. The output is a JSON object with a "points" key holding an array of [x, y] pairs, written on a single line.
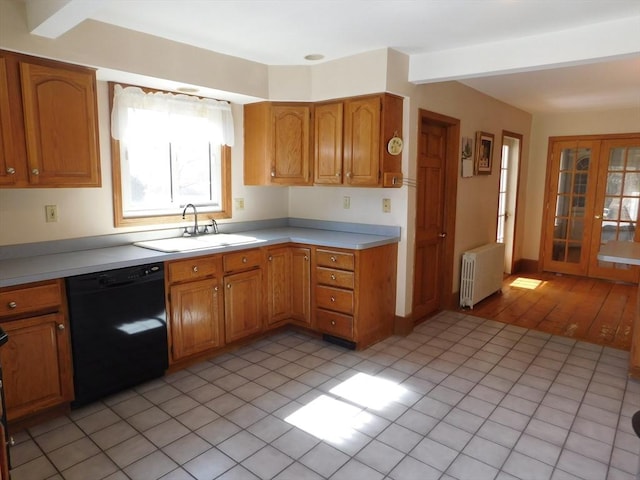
{"points": [[20, 271]]}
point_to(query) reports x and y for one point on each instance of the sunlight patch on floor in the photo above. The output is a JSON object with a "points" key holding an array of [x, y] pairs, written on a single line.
{"points": [[335, 420], [528, 283]]}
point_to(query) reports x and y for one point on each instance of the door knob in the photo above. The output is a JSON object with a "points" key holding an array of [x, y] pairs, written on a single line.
{"points": [[442, 234]]}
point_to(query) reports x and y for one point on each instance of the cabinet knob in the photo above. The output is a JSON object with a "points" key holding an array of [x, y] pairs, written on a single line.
{"points": [[333, 299], [244, 259], [338, 174], [273, 173], [332, 258], [228, 285], [11, 170], [195, 269], [306, 257], [333, 323], [12, 442], [12, 305], [333, 276], [348, 174], [60, 326], [270, 258], [215, 289], [35, 171]]}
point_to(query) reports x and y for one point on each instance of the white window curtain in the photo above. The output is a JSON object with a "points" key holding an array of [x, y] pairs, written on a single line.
{"points": [[216, 114]]}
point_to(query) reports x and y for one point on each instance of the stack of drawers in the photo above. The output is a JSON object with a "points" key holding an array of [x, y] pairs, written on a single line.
{"points": [[334, 292]]}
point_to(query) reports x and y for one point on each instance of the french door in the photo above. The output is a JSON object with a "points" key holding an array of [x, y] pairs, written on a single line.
{"points": [[593, 193]]}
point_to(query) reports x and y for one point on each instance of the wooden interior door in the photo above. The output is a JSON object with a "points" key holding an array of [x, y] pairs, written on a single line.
{"points": [[435, 213], [570, 205], [593, 193], [616, 206]]}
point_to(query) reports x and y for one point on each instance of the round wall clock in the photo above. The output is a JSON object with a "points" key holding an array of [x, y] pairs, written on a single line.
{"points": [[394, 147]]}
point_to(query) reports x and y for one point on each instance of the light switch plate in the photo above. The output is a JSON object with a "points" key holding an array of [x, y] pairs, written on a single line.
{"points": [[51, 213]]}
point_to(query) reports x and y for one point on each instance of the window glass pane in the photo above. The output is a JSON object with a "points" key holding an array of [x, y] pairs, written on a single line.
{"points": [[633, 158], [567, 158], [631, 184]]}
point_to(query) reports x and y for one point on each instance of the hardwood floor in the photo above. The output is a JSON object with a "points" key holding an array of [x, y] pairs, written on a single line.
{"points": [[595, 311]]}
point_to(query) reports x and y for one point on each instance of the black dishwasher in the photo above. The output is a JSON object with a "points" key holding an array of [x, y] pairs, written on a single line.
{"points": [[118, 330]]}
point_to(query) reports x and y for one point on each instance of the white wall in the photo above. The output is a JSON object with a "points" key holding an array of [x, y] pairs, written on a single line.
{"points": [[553, 125], [88, 212]]}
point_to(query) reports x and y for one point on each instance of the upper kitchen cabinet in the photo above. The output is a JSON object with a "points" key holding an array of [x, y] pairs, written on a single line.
{"points": [[277, 144], [51, 114], [351, 142]]}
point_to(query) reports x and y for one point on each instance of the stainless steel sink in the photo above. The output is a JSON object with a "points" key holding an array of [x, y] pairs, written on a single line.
{"points": [[200, 242]]}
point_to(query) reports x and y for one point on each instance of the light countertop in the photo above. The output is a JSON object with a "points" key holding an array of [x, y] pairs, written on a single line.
{"points": [[47, 266], [620, 252]]}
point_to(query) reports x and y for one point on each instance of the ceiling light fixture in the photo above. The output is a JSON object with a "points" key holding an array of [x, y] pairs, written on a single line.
{"points": [[314, 57]]}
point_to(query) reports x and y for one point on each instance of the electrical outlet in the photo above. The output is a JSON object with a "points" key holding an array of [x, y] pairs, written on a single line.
{"points": [[346, 202], [239, 203], [51, 213], [386, 205]]}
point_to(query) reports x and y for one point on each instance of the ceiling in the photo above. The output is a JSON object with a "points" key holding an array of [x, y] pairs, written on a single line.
{"points": [[539, 55]]}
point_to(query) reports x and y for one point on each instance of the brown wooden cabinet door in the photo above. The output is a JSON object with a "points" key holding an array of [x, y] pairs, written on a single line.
{"points": [[290, 159], [327, 139], [301, 284], [242, 304], [279, 284], [362, 141], [10, 169], [195, 324], [36, 365], [61, 121]]}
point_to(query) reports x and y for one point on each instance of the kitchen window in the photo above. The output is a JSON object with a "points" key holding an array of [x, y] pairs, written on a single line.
{"points": [[168, 150]]}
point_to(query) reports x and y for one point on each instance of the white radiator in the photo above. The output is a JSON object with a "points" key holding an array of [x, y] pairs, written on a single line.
{"points": [[481, 274]]}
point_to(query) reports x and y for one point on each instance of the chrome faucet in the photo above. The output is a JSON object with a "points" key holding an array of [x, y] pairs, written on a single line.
{"points": [[195, 219]]}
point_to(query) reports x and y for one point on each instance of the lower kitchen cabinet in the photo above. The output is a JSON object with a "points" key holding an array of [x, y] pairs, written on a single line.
{"points": [[243, 308], [288, 285], [36, 359], [195, 306], [355, 292]]}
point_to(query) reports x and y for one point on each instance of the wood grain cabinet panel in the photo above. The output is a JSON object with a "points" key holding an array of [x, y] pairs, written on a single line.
{"points": [[288, 285], [243, 304], [195, 306], [277, 144], [53, 121], [36, 360], [355, 293]]}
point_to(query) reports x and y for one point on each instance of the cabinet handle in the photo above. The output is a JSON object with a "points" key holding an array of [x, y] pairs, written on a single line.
{"points": [[333, 299], [12, 305], [244, 259], [60, 326], [333, 323], [195, 269], [332, 258], [35, 171], [11, 170], [333, 276]]}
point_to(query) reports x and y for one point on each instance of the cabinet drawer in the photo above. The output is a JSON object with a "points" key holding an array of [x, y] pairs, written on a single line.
{"points": [[193, 269], [335, 299], [335, 278], [334, 323], [30, 299], [243, 260], [330, 258]]}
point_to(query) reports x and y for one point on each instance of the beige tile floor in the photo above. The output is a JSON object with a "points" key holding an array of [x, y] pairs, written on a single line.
{"points": [[459, 398]]}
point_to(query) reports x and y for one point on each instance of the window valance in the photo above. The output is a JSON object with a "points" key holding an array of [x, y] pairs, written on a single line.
{"points": [[216, 114]]}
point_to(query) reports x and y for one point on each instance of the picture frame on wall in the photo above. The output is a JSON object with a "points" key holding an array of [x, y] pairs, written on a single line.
{"points": [[484, 153]]}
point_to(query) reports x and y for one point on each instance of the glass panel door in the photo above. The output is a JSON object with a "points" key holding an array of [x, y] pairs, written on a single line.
{"points": [[618, 198], [569, 205]]}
